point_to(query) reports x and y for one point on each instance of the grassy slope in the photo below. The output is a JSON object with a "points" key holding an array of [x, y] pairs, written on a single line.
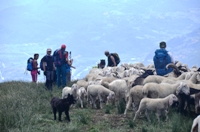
{"points": [[25, 107]]}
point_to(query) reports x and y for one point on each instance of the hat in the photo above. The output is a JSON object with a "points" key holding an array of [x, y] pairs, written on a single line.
{"points": [[48, 49], [162, 44], [63, 46]]}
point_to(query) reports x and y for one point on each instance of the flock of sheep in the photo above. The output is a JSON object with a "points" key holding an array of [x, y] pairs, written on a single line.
{"points": [[141, 88]]}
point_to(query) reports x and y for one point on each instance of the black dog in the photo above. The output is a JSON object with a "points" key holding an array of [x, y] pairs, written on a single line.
{"points": [[62, 105]]}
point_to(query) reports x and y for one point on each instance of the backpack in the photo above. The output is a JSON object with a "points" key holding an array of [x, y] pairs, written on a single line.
{"points": [[41, 63], [29, 66], [58, 61], [161, 59], [42, 60], [56, 58], [116, 56]]}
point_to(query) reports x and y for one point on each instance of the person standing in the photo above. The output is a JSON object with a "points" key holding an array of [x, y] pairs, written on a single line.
{"points": [[161, 59], [112, 59], [68, 70], [35, 71], [61, 57], [49, 67]]}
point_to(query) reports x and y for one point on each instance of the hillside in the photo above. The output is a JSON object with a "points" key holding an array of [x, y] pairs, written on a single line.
{"points": [[26, 107]]}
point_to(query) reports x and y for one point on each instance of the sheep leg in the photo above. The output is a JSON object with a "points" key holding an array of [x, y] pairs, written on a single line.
{"points": [[127, 106], [81, 101], [158, 115], [101, 100], [136, 114], [147, 115], [196, 108], [93, 102], [166, 115]]}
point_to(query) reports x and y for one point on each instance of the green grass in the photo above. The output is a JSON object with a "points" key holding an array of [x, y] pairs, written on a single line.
{"points": [[25, 107]]}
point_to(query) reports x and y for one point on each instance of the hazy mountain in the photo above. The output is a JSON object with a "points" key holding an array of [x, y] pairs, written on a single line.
{"points": [[132, 28]]}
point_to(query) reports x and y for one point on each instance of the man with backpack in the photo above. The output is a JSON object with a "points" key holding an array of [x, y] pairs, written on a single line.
{"points": [[113, 59], [161, 59], [60, 59], [48, 68]]}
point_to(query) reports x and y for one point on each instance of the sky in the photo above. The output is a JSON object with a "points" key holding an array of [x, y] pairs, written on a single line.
{"points": [[132, 28]]}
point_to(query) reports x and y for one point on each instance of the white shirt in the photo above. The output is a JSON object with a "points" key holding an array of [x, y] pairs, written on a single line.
{"points": [[171, 56]]}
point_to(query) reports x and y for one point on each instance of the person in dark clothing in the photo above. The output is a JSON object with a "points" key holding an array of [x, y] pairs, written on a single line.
{"points": [[49, 68], [111, 59]]}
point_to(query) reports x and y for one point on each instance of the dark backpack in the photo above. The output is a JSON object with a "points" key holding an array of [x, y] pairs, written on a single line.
{"points": [[161, 59], [116, 56], [41, 63], [47, 59], [29, 66], [56, 58]]}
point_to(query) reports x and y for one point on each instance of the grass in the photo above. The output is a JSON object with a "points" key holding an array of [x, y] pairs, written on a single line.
{"points": [[25, 107]]}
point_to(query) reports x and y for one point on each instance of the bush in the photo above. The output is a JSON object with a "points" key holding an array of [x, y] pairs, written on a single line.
{"points": [[121, 106]]}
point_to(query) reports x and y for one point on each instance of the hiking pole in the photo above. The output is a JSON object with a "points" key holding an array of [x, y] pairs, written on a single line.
{"points": [[70, 55]]}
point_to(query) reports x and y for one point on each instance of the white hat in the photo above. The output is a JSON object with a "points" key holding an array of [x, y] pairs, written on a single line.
{"points": [[48, 49]]}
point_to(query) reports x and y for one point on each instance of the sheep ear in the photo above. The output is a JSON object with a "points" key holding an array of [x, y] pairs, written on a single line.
{"points": [[170, 100]]}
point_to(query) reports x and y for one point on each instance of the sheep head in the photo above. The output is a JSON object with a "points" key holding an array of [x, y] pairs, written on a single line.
{"points": [[172, 98], [183, 88], [198, 77], [111, 97]]}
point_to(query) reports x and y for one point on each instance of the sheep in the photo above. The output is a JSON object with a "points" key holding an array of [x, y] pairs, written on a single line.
{"points": [[82, 83], [159, 79], [105, 81], [186, 100], [134, 98], [71, 90], [196, 124], [81, 94], [158, 105], [101, 92], [153, 78], [175, 73], [91, 76], [121, 88], [195, 78], [196, 98], [154, 90]]}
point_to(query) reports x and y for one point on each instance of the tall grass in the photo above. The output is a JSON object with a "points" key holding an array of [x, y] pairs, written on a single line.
{"points": [[25, 107]]}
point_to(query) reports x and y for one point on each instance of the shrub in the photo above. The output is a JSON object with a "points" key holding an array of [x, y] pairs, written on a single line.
{"points": [[121, 106]]}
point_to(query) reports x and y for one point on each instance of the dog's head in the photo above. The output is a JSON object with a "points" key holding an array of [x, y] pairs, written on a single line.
{"points": [[70, 99]]}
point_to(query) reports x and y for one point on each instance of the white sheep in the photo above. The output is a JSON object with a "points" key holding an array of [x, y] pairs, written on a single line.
{"points": [[81, 94], [71, 90], [154, 90], [134, 97], [105, 81], [196, 124], [194, 78], [157, 105], [121, 88], [82, 83], [100, 92]]}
